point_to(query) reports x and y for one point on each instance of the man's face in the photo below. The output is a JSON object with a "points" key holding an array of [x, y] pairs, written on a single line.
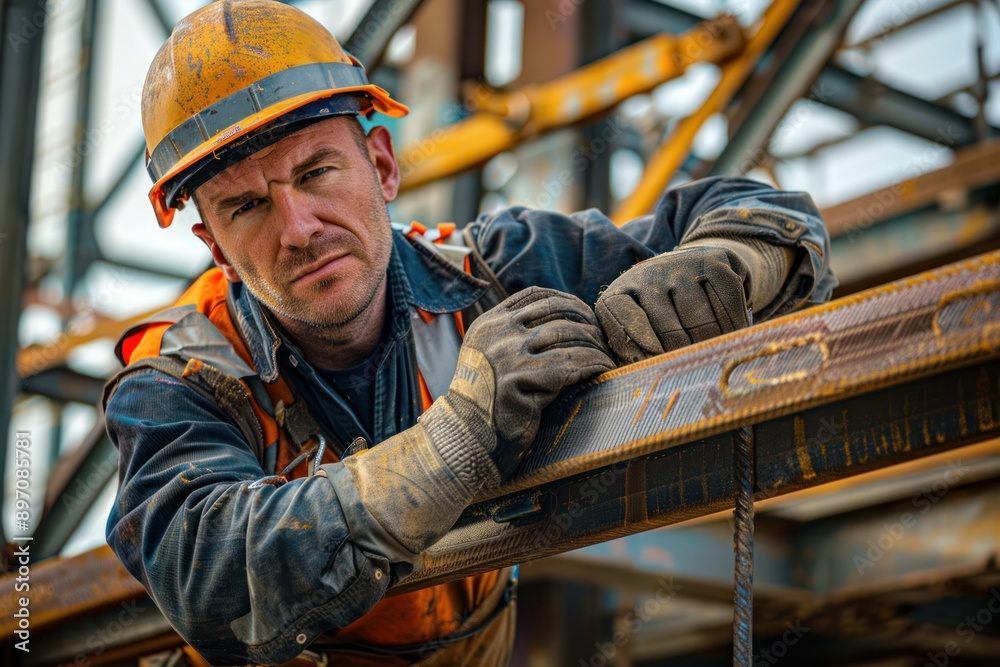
{"points": [[303, 223]]}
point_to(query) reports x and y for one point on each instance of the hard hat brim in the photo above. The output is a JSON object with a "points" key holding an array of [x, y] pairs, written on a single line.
{"points": [[173, 157]]}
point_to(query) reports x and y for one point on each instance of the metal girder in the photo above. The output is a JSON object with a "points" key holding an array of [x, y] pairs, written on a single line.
{"points": [[974, 167], [698, 557], [370, 39], [20, 68], [904, 371], [160, 15], [109, 610], [73, 489], [790, 79], [806, 564], [64, 385], [644, 18], [895, 560], [888, 548], [663, 164], [875, 103], [115, 636], [38, 358], [81, 244], [869, 100], [651, 444], [504, 120], [884, 29], [894, 247], [683, 482]]}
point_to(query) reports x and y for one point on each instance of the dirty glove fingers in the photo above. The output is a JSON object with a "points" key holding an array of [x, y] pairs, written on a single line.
{"points": [[562, 367], [730, 308], [558, 306], [694, 310], [566, 334], [515, 360], [663, 312], [584, 363], [630, 334], [726, 290]]}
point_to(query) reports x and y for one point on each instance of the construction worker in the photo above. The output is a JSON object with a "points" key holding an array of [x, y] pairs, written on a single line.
{"points": [[308, 419]]}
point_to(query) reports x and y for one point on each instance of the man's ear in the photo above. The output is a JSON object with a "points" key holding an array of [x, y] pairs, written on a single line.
{"points": [[384, 158], [202, 232]]}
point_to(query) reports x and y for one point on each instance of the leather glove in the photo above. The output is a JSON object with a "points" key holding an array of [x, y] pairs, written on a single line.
{"points": [[515, 360], [402, 495], [698, 291]]}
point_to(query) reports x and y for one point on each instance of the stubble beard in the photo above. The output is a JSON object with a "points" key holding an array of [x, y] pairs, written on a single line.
{"points": [[301, 309]]}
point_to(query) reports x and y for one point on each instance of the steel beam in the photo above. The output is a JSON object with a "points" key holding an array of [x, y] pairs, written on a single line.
{"points": [[698, 557], [64, 385], [601, 36], [128, 167], [467, 190], [664, 162], [370, 39], [73, 490], [791, 78], [940, 530], [166, 25], [973, 168], [875, 103], [684, 482], [81, 245], [20, 70], [942, 527], [644, 18], [119, 635], [892, 248], [651, 444]]}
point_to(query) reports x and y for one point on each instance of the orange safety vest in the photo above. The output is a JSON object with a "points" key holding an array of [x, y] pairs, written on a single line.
{"points": [[413, 618]]}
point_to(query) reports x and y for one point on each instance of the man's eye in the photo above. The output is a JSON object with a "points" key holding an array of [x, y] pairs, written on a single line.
{"points": [[247, 206], [315, 172]]}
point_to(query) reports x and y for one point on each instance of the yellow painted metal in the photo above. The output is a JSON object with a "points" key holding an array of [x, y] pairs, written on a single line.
{"points": [[34, 359], [664, 163], [504, 120]]}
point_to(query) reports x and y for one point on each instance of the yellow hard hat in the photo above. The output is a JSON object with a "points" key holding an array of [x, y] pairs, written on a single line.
{"points": [[235, 76]]}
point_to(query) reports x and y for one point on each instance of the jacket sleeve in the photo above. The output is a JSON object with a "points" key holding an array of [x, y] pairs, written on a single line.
{"points": [[583, 252], [244, 572]]}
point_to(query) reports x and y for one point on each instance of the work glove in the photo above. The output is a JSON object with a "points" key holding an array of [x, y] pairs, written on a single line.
{"points": [[515, 360], [402, 495], [702, 289]]}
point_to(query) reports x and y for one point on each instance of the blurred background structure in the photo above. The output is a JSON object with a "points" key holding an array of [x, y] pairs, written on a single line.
{"points": [[886, 112]]}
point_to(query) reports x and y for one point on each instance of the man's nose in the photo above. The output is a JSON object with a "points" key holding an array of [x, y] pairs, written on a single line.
{"points": [[298, 221]]}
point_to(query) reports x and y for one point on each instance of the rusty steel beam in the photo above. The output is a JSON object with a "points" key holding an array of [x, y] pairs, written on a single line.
{"points": [[974, 167], [913, 242], [905, 370]]}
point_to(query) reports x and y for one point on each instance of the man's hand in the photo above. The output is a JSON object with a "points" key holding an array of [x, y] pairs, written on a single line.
{"points": [[405, 493], [691, 294], [515, 360]]}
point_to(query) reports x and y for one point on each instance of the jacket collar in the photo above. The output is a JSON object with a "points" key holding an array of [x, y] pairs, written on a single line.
{"points": [[417, 277]]}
